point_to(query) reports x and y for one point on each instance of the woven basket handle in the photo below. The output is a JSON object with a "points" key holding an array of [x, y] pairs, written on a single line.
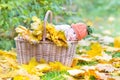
{"points": [[45, 22]]}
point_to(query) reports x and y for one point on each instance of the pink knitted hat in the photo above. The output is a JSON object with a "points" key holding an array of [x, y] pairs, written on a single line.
{"points": [[80, 30]]}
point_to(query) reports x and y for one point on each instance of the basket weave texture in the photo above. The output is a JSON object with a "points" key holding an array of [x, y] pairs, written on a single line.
{"points": [[45, 49]]}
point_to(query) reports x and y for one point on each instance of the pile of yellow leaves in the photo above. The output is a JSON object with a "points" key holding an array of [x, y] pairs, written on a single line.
{"points": [[106, 68], [35, 34], [10, 69]]}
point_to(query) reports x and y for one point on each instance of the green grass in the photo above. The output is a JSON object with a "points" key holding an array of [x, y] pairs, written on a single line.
{"points": [[92, 78], [115, 55], [54, 75], [88, 63], [99, 12]]}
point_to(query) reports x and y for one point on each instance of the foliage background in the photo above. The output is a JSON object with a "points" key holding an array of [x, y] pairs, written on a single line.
{"points": [[101, 14]]}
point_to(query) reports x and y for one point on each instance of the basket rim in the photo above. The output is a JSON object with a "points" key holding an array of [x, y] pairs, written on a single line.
{"points": [[47, 41]]}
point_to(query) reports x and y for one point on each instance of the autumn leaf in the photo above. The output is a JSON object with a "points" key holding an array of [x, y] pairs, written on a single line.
{"points": [[26, 34], [90, 73], [22, 30], [20, 77], [111, 49], [37, 30], [23, 74], [58, 66], [30, 68], [117, 42], [6, 74], [36, 34], [76, 72], [115, 62], [58, 37], [62, 38], [105, 67], [43, 67], [96, 50], [75, 62]]}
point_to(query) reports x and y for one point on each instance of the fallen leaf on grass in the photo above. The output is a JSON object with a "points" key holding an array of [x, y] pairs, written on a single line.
{"points": [[105, 68], [58, 66], [22, 74], [111, 49], [82, 57], [91, 73], [102, 76], [43, 67], [115, 62], [104, 58], [30, 68], [96, 50], [117, 42], [76, 72]]}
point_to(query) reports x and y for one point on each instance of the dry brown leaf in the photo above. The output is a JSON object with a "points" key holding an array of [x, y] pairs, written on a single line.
{"points": [[115, 62], [105, 57], [76, 72], [83, 57], [105, 67], [111, 49]]}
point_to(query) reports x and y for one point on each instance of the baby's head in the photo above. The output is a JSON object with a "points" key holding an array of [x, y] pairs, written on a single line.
{"points": [[80, 30]]}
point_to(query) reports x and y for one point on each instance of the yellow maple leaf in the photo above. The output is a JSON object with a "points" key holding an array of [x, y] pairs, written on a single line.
{"points": [[96, 50], [96, 46], [50, 28], [58, 66], [58, 37], [30, 68], [62, 38], [117, 42], [21, 77], [38, 30], [89, 73]]}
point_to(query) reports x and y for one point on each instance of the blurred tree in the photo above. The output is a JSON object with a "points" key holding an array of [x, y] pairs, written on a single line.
{"points": [[19, 12]]}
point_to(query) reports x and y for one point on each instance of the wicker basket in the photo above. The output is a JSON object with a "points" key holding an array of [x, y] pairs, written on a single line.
{"points": [[45, 49]]}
